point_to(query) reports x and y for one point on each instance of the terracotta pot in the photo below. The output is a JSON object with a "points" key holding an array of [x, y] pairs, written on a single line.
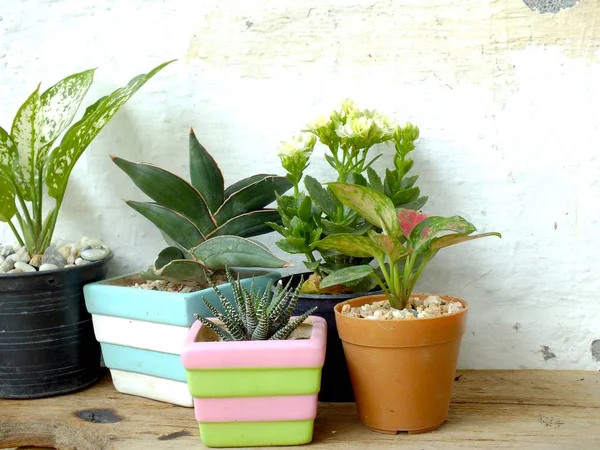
{"points": [[402, 371]]}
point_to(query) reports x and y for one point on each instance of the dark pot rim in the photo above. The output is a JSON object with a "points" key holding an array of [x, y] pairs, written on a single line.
{"points": [[44, 273], [324, 297]]}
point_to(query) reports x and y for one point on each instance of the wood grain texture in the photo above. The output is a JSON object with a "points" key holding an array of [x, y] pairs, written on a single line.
{"points": [[490, 409]]}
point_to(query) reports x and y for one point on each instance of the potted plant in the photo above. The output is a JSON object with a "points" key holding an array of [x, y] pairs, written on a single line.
{"points": [[254, 370], [401, 349], [141, 319], [41, 280], [349, 135]]}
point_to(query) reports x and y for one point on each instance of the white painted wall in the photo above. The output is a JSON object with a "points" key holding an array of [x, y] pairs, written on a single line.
{"points": [[507, 100]]}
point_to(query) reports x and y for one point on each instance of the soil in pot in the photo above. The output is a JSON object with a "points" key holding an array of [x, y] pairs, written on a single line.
{"points": [[402, 368], [335, 379], [47, 344]]}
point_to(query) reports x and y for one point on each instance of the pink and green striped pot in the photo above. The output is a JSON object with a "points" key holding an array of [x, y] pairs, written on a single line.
{"points": [[255, 393]]}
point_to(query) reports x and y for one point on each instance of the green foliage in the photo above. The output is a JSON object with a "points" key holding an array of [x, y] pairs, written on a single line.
{"points": [[29, 161], [206, 225], [401, 251], [307, 217], [252, 316]]}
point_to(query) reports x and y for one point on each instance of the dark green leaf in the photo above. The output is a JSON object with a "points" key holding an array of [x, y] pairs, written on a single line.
{"points": [[245, 182], [330, 227], [284, 245], [235, 251], [406, 196], [319, 195], [8, 207], [252, 197], [409, 182], [251, 224], [375, 180], [346, 275], [183, 271], [166, 256], [175, 225], [305, 210], [205, 174], [79, 136], [170, 191], [416, 204], [408, 163]]}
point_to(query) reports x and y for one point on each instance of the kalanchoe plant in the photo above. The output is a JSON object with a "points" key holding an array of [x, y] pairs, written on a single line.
{"points": [[349, 134], [206, 225], [253, 316], [30, 163], [407, 242]]}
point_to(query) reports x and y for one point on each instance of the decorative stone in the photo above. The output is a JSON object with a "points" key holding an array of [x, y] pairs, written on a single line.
{"points": [[69, 252], [24, 267], [433, 300], [6, 250], [81, 262], [7, 265], [455, 307], [52, 256], [45, 267], [15, 271], [94, 254], [68, 266], [21, 256], [36, 260]]}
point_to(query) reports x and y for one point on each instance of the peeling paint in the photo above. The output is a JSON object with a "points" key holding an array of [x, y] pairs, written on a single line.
{"points": [[549, 6], [546, 353], [595, 349]]}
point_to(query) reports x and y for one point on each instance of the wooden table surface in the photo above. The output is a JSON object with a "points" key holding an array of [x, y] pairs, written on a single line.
{"points": [[490, 409]]}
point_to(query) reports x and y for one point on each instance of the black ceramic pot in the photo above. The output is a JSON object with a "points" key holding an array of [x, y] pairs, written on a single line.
{"points": [[335, 380], [47, 343]]}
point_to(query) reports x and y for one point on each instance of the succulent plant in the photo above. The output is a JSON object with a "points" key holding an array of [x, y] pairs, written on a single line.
{"points": [[206, 226], [29, 165], [254, 316]]}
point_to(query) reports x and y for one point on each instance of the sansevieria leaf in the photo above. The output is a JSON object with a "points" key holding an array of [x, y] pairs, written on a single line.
{"points": [[235, 251], [62, 160], [25, 130], [250, 224], [374, 206], [239, 185], [205, 174], [170, 191], [58, 106], [176, 226], [253, 196]]}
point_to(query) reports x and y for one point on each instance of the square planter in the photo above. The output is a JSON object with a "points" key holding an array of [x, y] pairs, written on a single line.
{"points": [[141, 332], [255, 393]]}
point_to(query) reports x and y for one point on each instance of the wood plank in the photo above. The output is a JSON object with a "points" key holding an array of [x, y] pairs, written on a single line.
{"points": [[490, 409]]}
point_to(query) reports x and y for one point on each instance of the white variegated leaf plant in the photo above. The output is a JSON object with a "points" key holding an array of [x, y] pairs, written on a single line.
{"points": [[31, 165]]}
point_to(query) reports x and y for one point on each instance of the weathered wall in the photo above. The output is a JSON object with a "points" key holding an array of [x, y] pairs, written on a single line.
{"points": [[506, 95]]}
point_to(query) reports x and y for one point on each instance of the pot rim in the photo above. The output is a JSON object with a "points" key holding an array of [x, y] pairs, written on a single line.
{"points": [[338, 307]]}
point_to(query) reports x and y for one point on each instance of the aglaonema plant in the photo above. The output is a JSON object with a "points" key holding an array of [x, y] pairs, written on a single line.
{"points": [[31, 165], [407, 242], [206, 225]]}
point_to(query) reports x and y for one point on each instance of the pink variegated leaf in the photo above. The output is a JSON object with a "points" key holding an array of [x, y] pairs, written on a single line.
{"points": [[409, 219]]}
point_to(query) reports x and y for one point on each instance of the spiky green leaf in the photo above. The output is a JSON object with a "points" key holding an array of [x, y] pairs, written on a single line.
{"points": [[284, 332], [79, 136], [170, 191], [224, 335], [205, 174]]}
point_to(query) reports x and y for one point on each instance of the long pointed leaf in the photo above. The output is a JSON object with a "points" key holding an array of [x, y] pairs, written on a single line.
{"points": [[62, 160], [25, 129], [346, 275], [319, 195], [252, 197], [234, 251], [9, 155], [170, 191], [374, 206], [205, 174], [422, 234], [175, 225], [453, 239], [250, 224], [58, 106], [351, 245], [239, 185]]}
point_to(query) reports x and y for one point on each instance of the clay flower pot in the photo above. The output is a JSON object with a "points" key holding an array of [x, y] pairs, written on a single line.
{"points": [[255, 393], [402, 371]]}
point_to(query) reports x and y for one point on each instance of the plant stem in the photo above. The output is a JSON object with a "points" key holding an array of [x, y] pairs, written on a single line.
{"points": [[16, 233], [408, 267], [381, 285], [418, 273], [312, 259]]}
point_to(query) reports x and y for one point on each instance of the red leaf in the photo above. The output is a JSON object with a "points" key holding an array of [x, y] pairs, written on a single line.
{"points": [[409, 219]]}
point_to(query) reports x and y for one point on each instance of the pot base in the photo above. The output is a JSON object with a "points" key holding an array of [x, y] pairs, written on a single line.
{"points": [[393, 432]]}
